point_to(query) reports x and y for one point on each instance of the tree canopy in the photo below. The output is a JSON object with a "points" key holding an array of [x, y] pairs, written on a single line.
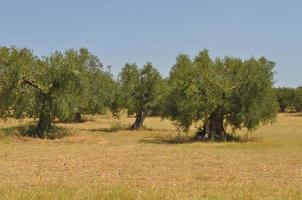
{"points": [[220, 92], [59, 85], [214, 93], [140, 90], [289, 99], [298, 99]]}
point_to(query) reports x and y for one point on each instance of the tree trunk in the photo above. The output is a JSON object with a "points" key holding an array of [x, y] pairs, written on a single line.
{"points": [[44, 124], [213, 127], [78, 117], [138, 121]]}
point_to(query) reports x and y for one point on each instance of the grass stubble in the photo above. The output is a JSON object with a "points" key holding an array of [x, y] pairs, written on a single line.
{"points": [[100, 159]]}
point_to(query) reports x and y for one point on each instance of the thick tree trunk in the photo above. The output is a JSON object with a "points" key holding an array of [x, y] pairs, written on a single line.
{"points": [[78, 117], [140, 117], [44, 124], [213, 127]]}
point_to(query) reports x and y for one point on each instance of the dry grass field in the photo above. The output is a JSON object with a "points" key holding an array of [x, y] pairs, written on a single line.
{"points": [[98, 160]]}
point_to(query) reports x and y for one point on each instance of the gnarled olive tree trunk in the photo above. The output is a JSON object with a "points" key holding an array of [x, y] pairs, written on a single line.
{"points": [[140, 117], [44, 123], [213, 127], [45, 118]]}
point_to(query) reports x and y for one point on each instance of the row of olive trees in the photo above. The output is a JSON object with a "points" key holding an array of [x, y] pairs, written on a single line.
{"points": [[289, 99], [212, 93]]}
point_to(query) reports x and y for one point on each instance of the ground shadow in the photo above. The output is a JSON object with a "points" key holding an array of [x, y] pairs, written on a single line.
{"points": [[116, 128], [167, 140], [54, 132], [75, 122], [108, 130], [30, 130], [178, 139]]}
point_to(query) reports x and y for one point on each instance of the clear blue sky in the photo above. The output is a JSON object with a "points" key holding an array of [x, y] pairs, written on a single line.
{"points": [[121, 31]]}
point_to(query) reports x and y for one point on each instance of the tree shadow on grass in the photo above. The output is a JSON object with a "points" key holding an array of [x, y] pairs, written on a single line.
{"points": [[122, 128], [30, 130], [76, 122], [114, 127], [108, 130], [185, 139], [53, 133], [167, 140]]}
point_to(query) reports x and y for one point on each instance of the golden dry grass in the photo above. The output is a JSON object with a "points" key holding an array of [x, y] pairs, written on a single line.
{"points": [[98, 163]]}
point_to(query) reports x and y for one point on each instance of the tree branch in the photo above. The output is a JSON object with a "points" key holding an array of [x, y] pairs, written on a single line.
{"points": [[32, 83]]}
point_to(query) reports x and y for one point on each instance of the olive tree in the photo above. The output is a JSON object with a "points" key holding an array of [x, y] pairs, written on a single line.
{"points": [[40, 87], [298, 99], [220, 92], [15, 99], [138, 92], [285, 98], [93, 92]]}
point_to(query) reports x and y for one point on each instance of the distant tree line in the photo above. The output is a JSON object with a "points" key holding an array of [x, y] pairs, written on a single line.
{"points": [[212, 93], [289, 99]]}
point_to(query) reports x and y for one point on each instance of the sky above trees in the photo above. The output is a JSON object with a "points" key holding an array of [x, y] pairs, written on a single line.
{"points": [[120, 31]]}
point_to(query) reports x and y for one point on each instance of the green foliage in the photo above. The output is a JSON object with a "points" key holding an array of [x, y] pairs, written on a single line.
{"points": [[58, 86], [14, 64], [289, 99], [298, 99], [91, 94], [65, 85], [240, 90], [285, 98], [139, 90]]}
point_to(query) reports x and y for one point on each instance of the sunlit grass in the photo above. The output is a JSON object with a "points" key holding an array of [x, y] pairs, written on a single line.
{"points": [[101, 159]]}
